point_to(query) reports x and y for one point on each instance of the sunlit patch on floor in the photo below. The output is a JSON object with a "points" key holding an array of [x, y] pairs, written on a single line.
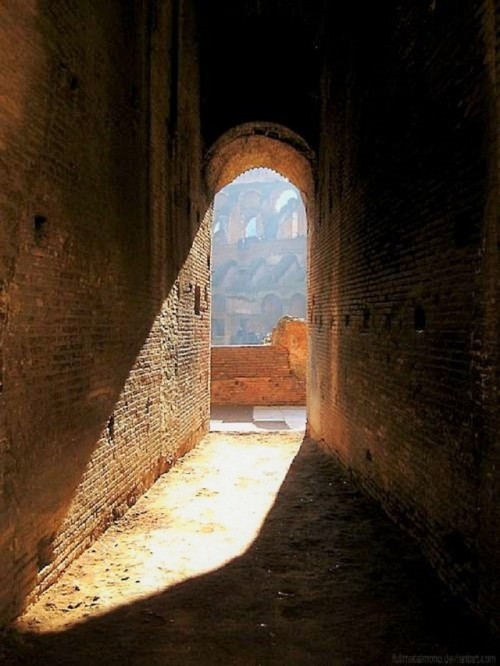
{"points": [[205, 512]]}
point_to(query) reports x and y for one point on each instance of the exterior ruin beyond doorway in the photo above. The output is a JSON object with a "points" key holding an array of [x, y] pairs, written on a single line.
{"points": [[259, 257]]}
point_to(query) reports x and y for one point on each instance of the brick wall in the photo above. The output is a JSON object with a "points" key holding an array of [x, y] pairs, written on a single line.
{"points": [[489, 490], [254, 375], [404, 275], [104, 249]]}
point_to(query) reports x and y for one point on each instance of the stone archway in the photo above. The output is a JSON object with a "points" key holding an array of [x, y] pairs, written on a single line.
{"points": [[261, 144], [240, 150]]}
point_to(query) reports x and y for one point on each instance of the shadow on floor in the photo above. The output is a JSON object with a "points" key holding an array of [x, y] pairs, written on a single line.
{"points": [[329, 581]]}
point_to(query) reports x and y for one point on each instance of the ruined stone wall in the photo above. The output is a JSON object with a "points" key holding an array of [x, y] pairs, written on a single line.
{"points": [[403, 303], [104, 271], [254, 375], [291, 333], [273, 374]]}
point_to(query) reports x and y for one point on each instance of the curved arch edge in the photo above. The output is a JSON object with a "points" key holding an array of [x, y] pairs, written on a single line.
{"points": [[260, 144]]}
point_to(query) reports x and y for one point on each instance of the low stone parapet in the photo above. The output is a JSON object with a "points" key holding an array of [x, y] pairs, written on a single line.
{"points": [[271, 374]]}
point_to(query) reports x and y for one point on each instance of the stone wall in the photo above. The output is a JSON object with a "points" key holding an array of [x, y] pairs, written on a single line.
{"points": [[104, 272], [404, 276], [263, 374], [291, 333], [255, 375]]}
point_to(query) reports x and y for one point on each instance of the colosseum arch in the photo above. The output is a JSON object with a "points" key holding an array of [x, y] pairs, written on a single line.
{"points": [[269, 146]]}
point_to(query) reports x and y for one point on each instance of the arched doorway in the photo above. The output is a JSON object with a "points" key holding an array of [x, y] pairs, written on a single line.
{"points": [[259, 147]]}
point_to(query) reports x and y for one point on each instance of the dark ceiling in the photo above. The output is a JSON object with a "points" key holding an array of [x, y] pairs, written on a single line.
{"points": [[260, 61]]}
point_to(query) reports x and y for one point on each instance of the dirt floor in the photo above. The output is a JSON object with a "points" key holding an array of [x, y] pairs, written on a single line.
{"points": [[254, 550]]}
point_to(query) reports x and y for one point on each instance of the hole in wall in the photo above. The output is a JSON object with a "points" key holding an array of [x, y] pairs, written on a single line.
{"points": [[40, 227], [366, 319], [110, 429], [419, 319], [197, 299], [134, 97], [45, 551]]}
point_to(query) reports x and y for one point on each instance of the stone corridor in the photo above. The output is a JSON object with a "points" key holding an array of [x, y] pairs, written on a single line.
{"points": [[120, 122], [255, 549]]}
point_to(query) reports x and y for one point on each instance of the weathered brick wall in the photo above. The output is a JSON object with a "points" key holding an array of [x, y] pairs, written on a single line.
{"points": [[489, 490], [104, 271], [254, 375], [291, 333], [404, 275]]}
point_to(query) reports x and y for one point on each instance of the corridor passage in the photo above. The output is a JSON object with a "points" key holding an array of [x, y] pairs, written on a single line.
{"points": [[256, 549]]}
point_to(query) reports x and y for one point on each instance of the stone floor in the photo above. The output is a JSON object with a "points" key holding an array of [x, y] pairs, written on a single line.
{"points": [[254, 550], [257, 419]]}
